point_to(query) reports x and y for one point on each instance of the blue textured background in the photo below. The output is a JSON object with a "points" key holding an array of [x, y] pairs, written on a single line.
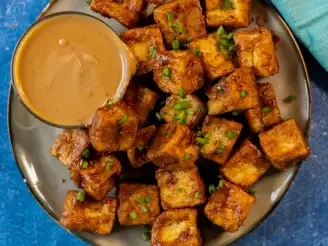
{"points": [[300, 219]]}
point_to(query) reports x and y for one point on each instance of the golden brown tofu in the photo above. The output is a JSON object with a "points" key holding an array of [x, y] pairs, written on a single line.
{"points": [[126, 12], [138, 155], [173, 147], [114, 127], [218, 138], [141, 100], [267, 113], [156, 2], [228, 13], [176, 227], [145, 43], [181, 188], [216, 63], [284, 144], [186, 111], [69, 145], [176, 70], [246, 165], [88, 215], [256, 50], [138, 204], [236, 92], [99, 176], [180, 20], [229, 206]]}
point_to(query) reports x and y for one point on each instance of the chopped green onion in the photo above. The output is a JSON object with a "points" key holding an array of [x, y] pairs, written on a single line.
{"points": [[187, 157], [219, 88], [181, 105], [133, 215], [152, 51], [80, 196], [189, 39], [224, 42], [125, 118], [290, 99], [201, 140], [177, 27], [197, 195], [141, 199], [197, 52], [175, 44], [85, 164], [232, 48], [140, 148], [220, 176], [181, 116], [170, 134], [86, 153], [229, 36], [144, 209], [180, 29], [230, 134], [235, 113], [199, 133], [202, 109], [190, 112], [180, 190], [148, 199], [108, 167], [181, 93], [251, 191], [108, 102], [89, 2], [183, 121], [227, 5], [110, 160], [221, 183], [211, 189], [220, 31], [207, 135], [166, 72], [244, 93], [220, 149], [158, 116], [146, 236], [266, 109], [170, 16]]}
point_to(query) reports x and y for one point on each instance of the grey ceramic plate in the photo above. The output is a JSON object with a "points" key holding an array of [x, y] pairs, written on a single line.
{"points": [[31, 140]]}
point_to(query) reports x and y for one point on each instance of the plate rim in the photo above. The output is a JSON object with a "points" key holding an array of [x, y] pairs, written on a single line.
{"points": [[11, 91]]}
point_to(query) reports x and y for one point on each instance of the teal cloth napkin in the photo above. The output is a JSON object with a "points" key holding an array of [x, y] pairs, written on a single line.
{"points": [[309, 21]]}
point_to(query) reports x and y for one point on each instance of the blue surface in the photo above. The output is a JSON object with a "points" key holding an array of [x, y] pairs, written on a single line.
{"points": [[300, 219]]}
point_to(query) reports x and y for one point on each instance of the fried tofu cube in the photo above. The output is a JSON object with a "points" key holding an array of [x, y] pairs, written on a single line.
{"points": [[177, 70], [126, 12], [88, 215], [114, 127], [173, 147], [238, 91], [176, 227], [228, 13], [138, 155], [138, 204], [246, 165], [69, 145], [284, 143], [144, 42], [218, 138], [181, 188], [187, 111], [180, 20], [229, 206], [267, 113], [99, 176], [216, 63], [141, 100], [256, 50]]}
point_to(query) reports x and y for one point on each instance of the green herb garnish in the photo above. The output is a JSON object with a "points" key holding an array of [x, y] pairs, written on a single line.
{"points": [[133, 215], [125, 118], [266, 109], [140, 148], [187, 157], [211, 189], [197, 52], [85, 164], [80, 196], [289, 99], [152, 51], [175, 44], [166, 72], [244, 93]]}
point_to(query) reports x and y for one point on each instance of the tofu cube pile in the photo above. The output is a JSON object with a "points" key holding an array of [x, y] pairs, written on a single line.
{"points": [[203, 101]]}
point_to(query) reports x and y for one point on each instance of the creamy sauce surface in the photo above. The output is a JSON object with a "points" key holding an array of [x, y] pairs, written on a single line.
{"points": [[69, 65]]}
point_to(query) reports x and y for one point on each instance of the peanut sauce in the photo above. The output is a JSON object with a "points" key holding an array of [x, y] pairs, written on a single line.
{"points": [[68, 65]]}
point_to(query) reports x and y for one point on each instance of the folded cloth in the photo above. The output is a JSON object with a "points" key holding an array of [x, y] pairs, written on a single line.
{"points": [[309, 21]]}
